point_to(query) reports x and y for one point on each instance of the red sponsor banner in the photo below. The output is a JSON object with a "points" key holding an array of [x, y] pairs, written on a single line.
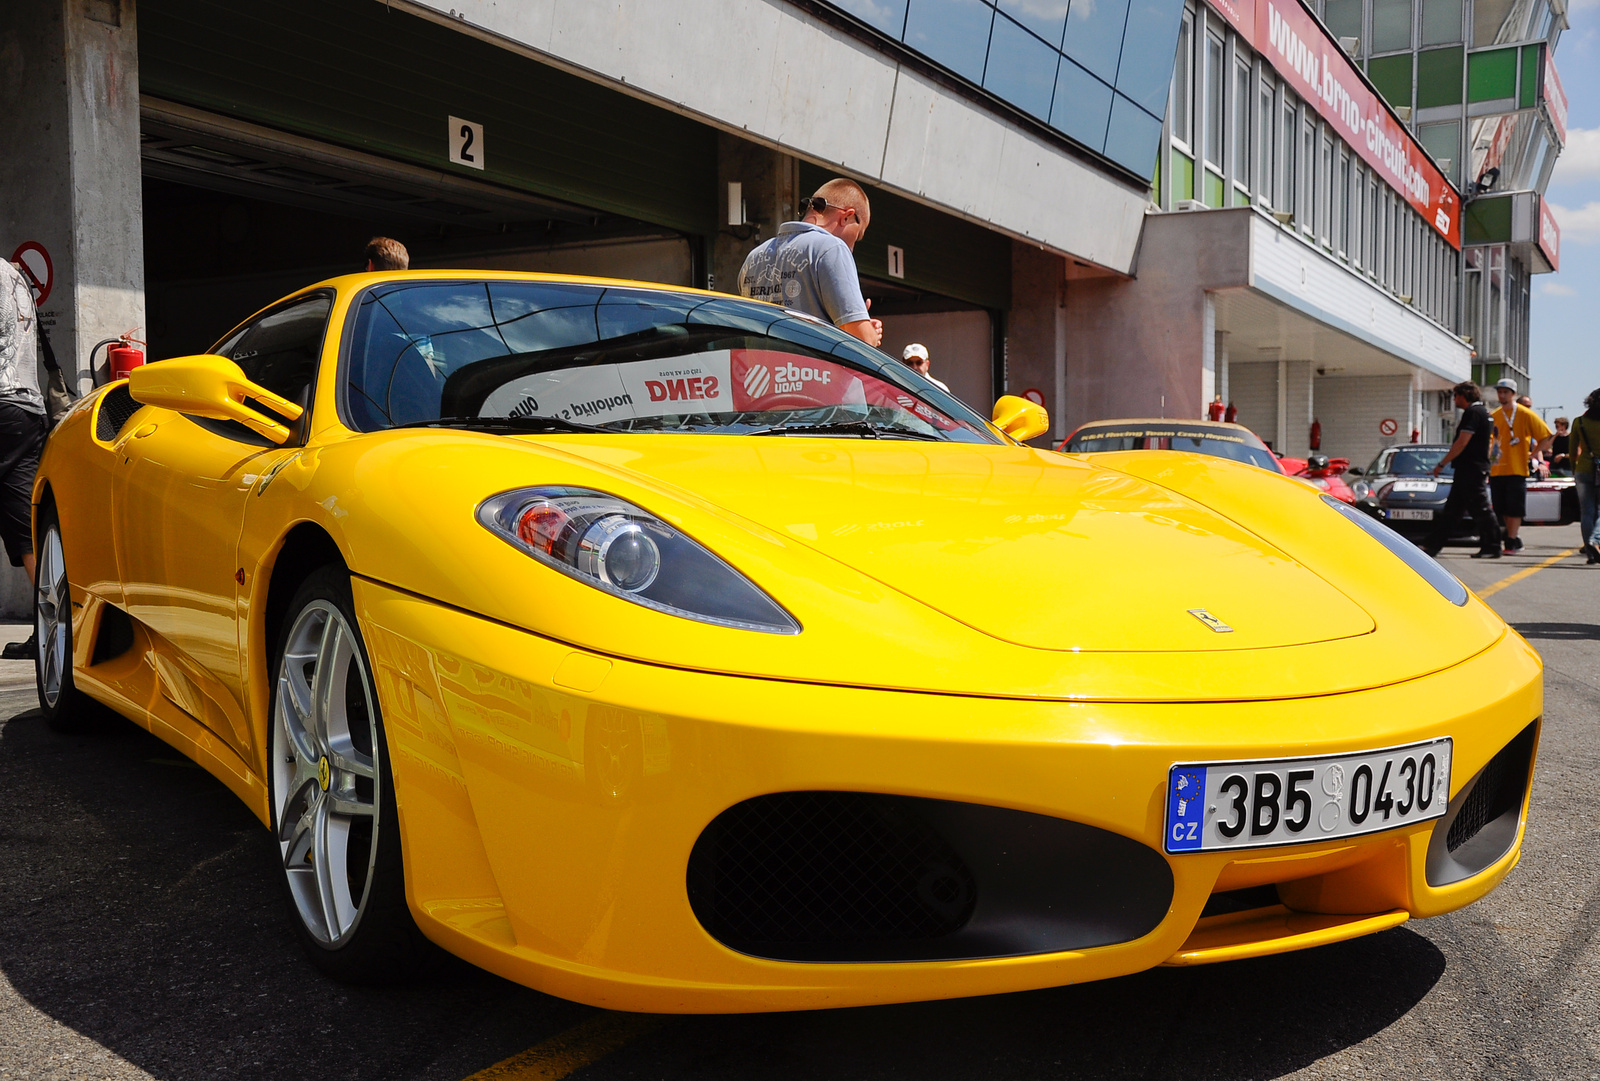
{"points": [[1549, 234], [768, 382], [1312, 62], [1555, 96]]}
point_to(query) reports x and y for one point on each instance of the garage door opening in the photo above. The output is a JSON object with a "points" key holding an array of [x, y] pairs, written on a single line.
{"points": [[960, 337], [236, 216]]}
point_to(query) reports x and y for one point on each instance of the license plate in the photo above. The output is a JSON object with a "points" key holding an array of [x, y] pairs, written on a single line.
{"points": [[1416, 486], [1288, 801], [1409, 514]]}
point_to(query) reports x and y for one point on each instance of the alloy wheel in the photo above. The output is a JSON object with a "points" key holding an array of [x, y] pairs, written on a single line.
{"points": [[325, 772], [52, 612]]}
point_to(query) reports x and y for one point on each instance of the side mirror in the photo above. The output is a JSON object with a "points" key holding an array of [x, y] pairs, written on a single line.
{"points": [[213, 387], [1019, 418], [1354, 471]]}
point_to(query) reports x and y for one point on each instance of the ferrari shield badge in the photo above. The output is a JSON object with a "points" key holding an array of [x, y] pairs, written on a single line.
{"points": [[1210, 620]]}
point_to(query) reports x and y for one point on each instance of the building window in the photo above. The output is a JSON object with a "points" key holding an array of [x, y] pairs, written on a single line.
{"points": [[1342, 207], [1215, 74], [1264, 119], [1288, 139], [1308, 176], [1243, 79], [1343, 18], [1391, 25], [1325, 191], [1183, 85], [1441, 22]]}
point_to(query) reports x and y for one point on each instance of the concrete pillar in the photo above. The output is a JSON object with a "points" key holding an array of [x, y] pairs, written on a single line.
{"points": [[1036, 332], [768, 188], [69, 78]]}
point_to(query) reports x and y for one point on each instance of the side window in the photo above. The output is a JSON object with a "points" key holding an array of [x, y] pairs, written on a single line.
{"points": [[279, 351]]}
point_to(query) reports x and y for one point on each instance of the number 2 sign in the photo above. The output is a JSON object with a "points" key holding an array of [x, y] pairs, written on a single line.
{"points": [[466, 143]]}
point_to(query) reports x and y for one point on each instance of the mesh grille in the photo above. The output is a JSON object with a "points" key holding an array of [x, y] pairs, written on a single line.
{"points": [[1498, 791], [800, 869], [116, 406]]}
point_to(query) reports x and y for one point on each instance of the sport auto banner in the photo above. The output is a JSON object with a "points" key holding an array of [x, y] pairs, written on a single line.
{"points": [[1311, 61], [721, 381]]}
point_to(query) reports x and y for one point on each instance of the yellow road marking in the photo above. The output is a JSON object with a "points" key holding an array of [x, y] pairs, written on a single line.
{"points": [[1527, 572], [571, 1050]]}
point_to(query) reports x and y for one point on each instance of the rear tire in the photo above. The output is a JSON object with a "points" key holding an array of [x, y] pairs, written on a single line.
{"points": [[332, 795], [65, 708]]}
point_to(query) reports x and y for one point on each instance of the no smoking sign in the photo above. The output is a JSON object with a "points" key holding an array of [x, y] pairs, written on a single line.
{"points": [[1388, 426], [36, 267]]}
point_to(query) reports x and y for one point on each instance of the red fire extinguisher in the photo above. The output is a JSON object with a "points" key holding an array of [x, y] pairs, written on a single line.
{"points": [[1316, 434], [121, 356], [1215, 410], [1232, 413], [1416, 435]]}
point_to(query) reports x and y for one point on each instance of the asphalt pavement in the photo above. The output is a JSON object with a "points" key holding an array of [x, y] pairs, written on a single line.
{"points": [[142, 936]]}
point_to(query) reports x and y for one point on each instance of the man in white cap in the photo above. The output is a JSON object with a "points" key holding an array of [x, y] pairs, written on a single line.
{"points": [[916, 356], [1520, 434]]}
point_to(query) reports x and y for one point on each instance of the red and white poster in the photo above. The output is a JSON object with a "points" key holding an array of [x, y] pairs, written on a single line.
{"points": [[1312, 62], [722, 381], [1555, 96], [1549, 234]]}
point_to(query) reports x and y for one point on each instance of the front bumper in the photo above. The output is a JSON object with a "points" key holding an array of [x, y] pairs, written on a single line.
{"points": [[550, 800]]}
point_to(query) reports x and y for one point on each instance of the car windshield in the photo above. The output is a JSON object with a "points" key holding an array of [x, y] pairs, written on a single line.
{"points": [[1414, 461], [1220, 442], [553, 355]]}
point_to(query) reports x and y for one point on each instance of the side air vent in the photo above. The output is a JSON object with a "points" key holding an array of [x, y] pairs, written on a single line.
{"points": [[1481, 824], [858, 876], [115, 636], [116, 406]]}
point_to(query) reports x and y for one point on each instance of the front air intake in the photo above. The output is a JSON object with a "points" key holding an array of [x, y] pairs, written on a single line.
{"points": [[112, 412], [1481, 824], [858, 876]]}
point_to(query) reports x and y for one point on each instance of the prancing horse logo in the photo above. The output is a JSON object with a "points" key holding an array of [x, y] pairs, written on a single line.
{"points": [[1210, 620]]}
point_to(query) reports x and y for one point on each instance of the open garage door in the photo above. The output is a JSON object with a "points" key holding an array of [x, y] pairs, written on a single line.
{"points": [[237, 215]]}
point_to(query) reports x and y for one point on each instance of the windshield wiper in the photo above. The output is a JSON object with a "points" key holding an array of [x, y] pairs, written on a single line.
{"points": [[518, 425], [865, 429]]}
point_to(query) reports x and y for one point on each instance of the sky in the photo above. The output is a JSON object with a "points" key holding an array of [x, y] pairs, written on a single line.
{"points": [[1565, 332]]}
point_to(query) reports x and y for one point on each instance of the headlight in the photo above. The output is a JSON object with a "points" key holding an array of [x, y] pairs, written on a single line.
{"points": [[628, 552], [1361, 489], [1449, 587]]}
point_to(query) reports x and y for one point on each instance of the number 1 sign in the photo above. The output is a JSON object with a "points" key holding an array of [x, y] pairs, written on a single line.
{"points": [[466, 143]]}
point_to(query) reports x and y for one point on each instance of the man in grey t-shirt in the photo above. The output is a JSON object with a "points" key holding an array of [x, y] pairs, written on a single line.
{"points": [[22, 426], [809, 267]]}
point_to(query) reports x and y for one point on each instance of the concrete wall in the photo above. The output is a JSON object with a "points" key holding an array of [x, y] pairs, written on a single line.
{"points": [[960, 350], [1351, 409], [774, 73], [1253, 388], [1133, 343], [69, 173], [1036, 331], [770, 182]]}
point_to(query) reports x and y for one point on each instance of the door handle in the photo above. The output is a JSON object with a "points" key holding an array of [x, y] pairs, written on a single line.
{"points": [[144, 430]]}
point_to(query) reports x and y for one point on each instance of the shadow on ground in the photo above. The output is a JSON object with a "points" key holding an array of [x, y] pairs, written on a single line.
{"points": [[142, 910], [1559, 632]]}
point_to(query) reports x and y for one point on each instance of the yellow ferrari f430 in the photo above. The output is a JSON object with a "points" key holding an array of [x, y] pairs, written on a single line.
{"points": [[670, 651]]}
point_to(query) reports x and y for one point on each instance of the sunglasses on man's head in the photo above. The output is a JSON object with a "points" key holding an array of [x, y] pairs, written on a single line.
{"points": [[821, 205]]}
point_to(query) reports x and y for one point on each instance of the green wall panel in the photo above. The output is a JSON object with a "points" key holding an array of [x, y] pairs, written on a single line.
{"points": [[1214, 194], [1182, 176], [1492, 75], [1487, 220], [944, 254], [1392, 76], [1439, 77], [1528, 87], [358, 74]]}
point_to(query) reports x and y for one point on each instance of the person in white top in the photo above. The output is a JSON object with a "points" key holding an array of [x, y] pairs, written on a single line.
{"points": [[916, 356]]}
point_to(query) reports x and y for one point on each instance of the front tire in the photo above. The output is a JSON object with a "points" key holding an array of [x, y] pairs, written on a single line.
{"points": [[63, 705], [332, 794]]}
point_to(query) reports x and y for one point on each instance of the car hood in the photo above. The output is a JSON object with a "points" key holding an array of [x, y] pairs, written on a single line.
{"points": [[1047, 552], [984, 570]]}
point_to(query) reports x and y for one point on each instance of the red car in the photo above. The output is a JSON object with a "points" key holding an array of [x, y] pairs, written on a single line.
{"points": [[1325, 472]]}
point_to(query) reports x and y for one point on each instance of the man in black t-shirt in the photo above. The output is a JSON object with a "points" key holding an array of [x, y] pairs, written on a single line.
{"points": [[1469, 492]]}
